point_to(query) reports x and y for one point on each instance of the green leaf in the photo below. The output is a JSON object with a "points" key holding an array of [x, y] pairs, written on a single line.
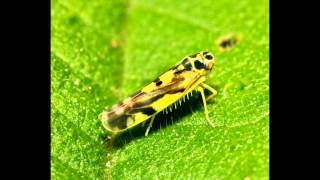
{"points": [[103, 51], [84, 79]]}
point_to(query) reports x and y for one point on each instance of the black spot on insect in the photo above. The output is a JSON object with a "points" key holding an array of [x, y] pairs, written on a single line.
{"points": [[206, 52], [187, 67], [194, 55], [186, 64], [157, 81], [199, 65], [208, 57], [146, 110], [185, 61]]}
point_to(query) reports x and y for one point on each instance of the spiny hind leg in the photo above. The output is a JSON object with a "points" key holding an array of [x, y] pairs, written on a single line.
{"points": [[213, 91], [150, 125], [201, 90]]}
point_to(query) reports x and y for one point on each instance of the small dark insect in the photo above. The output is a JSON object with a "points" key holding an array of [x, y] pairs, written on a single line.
{"points": [[227, 42]]}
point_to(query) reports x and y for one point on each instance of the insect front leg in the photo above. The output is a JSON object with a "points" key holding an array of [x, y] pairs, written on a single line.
{"points": [[150, 125], [213, 91], [201, 90]]}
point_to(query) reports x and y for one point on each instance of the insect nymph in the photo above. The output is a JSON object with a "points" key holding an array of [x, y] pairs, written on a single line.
{"points": [[165, 91]]}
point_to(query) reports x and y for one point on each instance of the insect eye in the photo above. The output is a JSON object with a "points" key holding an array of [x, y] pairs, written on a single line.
{"points": [[208, 57]]}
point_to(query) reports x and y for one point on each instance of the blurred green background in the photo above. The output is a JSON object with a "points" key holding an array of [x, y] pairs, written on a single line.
{"points": [[103, 51]]}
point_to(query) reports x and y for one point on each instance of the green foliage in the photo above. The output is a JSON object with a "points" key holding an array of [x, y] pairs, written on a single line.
{"points": [[103, 51]]}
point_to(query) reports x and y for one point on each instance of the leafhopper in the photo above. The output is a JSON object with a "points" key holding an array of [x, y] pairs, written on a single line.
{"points": [[164, 93]]}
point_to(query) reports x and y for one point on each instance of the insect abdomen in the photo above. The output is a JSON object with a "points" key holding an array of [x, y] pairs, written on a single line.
{"points": [[117, 123]]}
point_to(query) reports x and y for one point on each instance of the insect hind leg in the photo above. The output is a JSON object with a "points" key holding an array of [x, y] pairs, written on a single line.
{"points": [[150, 125], [201, 90], [213, 91]]}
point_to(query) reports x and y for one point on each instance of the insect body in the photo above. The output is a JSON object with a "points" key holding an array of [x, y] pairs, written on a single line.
{"points": [[167, 90]]}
